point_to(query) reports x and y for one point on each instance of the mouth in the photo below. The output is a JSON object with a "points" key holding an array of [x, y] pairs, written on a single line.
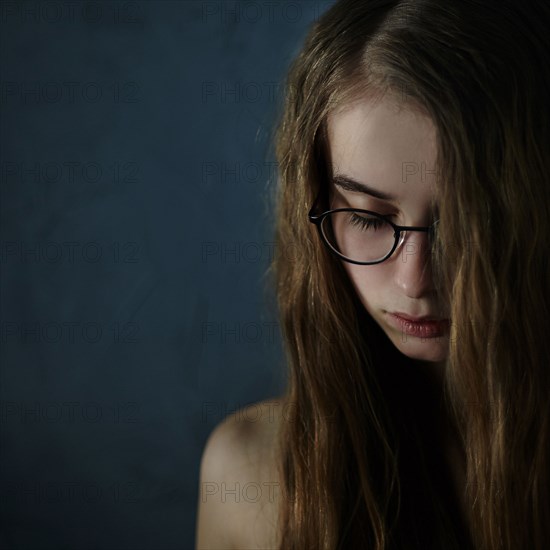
{"points": [[423, 327], [415, 318]]}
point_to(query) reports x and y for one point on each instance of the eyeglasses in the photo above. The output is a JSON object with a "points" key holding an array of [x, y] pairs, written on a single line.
{"points": [[361, 236]]}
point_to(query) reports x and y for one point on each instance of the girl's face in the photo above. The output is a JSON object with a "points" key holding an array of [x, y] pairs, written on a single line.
{"points": [[392, 152]]}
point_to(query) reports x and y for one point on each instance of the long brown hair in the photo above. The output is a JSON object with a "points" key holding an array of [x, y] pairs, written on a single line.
{"points": [[356, 471]]}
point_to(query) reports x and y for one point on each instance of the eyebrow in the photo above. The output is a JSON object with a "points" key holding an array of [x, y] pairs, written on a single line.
{"points": [[349, 184]]}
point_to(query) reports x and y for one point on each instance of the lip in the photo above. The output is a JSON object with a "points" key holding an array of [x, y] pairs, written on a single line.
{"points": [[423, 327], [414, 318]]}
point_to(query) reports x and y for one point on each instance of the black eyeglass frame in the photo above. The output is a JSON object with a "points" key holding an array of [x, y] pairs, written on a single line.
{"points": [[398, 229]]}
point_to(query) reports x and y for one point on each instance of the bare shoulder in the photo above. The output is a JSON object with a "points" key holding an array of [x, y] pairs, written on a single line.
{"points": [[239, 480]]}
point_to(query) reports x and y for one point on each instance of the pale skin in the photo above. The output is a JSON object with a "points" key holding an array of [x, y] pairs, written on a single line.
{"points": [[393, 150]]}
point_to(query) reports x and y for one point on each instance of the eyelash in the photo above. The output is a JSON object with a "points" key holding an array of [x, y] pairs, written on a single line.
{"points": [[365, 223]]}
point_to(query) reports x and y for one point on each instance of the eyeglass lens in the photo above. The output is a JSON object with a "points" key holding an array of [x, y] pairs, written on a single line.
{"points": [[358, 236]]}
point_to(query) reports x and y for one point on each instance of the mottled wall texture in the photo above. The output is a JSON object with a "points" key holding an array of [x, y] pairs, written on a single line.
{"points": [[136, 171]]}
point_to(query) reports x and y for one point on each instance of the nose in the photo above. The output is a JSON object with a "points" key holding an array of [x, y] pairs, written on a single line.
{"points": [[412, 266]]}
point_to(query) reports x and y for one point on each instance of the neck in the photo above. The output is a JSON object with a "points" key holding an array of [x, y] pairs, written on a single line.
{"points": [[433, 371], [433, 378]]}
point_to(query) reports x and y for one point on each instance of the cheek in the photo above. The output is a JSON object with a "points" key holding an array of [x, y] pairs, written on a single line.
{"points": [[370, 281]]}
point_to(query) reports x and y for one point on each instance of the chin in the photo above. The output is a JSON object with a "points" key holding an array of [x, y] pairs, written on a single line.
{"points": [[424, 349]]}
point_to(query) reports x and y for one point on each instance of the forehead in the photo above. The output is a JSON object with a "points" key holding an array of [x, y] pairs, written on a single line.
{"points": [[385, 145]]}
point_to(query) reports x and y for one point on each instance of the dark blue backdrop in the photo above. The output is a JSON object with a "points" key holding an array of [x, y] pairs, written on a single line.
{"points": [[135, 170]]}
